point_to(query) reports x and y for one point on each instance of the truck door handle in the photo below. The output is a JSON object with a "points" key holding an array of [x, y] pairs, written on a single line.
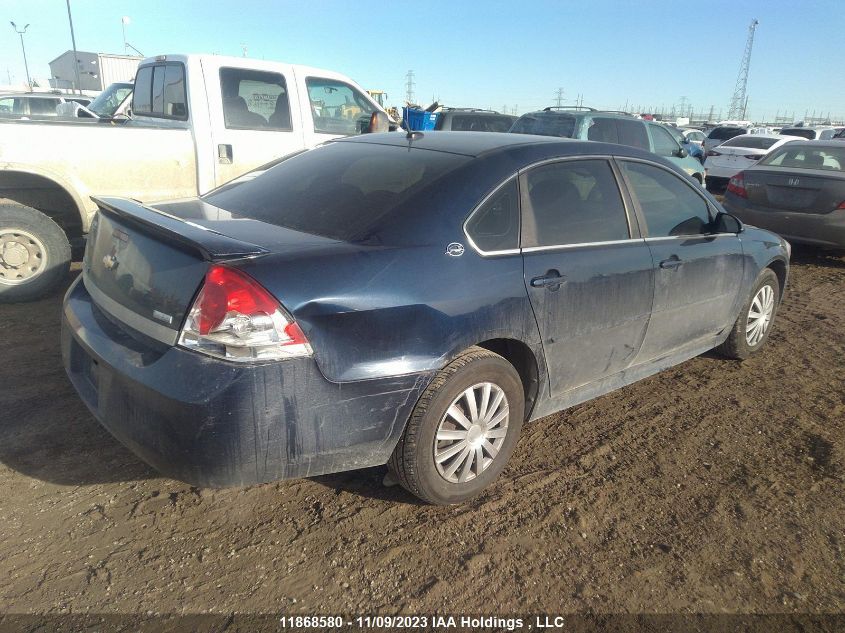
{"points": [[224, 154], [672, 262], [551, 280]]}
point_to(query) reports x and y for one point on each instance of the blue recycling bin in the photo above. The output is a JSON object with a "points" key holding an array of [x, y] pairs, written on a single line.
{"points": [[419, 120]]}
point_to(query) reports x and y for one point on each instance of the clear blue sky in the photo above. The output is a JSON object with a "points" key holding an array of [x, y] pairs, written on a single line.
{"points": [[483, 53]]}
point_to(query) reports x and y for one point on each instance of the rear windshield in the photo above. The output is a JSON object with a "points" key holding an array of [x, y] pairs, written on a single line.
{"points": [[546, 124], [799, 131], [724, 133], [799, 156], [481, 123], [751, 141], [343, 191]]}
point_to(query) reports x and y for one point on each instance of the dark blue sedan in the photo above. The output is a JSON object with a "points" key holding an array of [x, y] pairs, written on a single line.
{"points": [[409, 301]]}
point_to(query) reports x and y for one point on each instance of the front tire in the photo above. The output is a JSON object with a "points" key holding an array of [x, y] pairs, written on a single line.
{"points": [[752, 327], [462, 431], [34, 254]]}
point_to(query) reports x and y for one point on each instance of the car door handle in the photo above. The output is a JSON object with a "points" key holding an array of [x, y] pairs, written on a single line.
{"points": [[552, 280], [672, 262]]}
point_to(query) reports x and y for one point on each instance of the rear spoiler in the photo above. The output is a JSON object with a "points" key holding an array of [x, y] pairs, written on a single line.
{"points": [[211, 244]]}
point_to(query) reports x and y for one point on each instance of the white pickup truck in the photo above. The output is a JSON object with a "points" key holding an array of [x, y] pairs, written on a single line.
{"points": [[197, 121]]}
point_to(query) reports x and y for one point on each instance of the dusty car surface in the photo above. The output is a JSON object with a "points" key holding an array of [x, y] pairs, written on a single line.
{"points": [[797, 191], [409, 301]]}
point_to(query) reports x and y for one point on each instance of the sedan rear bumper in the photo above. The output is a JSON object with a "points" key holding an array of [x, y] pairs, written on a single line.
{"points": [[216, 423], [824, 230]]}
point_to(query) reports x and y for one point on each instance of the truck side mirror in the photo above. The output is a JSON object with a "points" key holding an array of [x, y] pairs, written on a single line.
{"points": [[379, 122]]}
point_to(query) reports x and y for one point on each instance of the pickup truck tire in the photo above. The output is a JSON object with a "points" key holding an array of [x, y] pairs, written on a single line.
{"points": [[34, 253], [463, 429]]}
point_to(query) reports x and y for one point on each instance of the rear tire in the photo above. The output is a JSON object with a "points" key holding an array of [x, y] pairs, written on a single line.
{"points": [[752, 327], [452, 449], [34, 254]]}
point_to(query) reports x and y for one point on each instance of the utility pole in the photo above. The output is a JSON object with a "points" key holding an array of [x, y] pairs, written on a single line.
{"points": [[23, 48], [409, 87], [738, 101], [75, 55], [559, 97]]}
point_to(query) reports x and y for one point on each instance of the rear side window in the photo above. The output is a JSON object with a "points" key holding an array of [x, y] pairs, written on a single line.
{"points": [[43, 106], [160, 92], [495, 226], [546, 124], [671, 207], [337, 107], [345, 191], [632, 133], [480, 123], [664, 142], [254, 100], [751, 141], [573, 202], [799, 131], [602, 130]]}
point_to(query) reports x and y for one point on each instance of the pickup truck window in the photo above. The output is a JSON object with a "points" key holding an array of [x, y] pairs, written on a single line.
{"points": [[254, 100], [337, 108], [160, 92]]}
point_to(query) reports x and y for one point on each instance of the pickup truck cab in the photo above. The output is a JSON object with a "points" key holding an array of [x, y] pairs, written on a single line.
{"points": [[196, 122]]}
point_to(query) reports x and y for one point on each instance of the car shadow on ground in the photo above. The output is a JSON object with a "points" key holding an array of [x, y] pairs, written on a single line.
{"points": [[46, 432]]}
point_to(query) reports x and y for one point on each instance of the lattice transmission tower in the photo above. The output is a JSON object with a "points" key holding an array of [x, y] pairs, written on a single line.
{"points": [[740, 99]]}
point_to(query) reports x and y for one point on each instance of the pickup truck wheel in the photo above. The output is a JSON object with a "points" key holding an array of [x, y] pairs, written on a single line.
{"points": [[34, 254], [754, 323], [462, 431]]}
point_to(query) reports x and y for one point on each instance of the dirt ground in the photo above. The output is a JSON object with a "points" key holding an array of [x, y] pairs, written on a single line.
{"points": [[713, 487]]}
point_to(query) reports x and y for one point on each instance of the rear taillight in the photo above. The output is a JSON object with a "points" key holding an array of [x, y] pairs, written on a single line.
{"points": [[713, 152], [235, 318], [736, 185], [841, 205]]}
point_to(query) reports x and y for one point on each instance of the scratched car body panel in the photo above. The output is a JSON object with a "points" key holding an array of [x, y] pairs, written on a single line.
{"points": [[392, 261]]}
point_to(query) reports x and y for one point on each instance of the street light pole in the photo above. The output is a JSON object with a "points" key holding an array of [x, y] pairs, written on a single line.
{"points": [[75, 56], [23, 48]]}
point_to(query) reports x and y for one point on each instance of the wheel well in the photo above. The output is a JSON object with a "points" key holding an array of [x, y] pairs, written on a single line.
{"points": [[779, 269], [522, 358], [45, 195]]}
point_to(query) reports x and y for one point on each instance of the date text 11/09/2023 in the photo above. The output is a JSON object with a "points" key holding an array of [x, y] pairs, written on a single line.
{"points": [[423, 622]]}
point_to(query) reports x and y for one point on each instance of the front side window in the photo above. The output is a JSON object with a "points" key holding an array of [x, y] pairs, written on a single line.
{"points": [[664, 143], [254, 100], [338, 108], [573, 202], [671, 207], [160, 92], [495, 226]]}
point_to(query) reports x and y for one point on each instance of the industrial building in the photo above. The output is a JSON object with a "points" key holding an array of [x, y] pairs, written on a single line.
{"points": [[96, 70]]}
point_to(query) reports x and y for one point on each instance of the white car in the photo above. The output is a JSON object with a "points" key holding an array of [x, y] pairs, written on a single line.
{"points": [[26, 105], [738, 153], [727, 131]]}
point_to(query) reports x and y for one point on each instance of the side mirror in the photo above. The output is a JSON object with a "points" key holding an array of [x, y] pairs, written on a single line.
{"points": [[379, 122], [681, 153], [727, 223]]}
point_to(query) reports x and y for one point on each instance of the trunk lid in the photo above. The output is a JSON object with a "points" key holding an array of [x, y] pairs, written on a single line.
{"points": [[143, 265], [806, 190]]}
